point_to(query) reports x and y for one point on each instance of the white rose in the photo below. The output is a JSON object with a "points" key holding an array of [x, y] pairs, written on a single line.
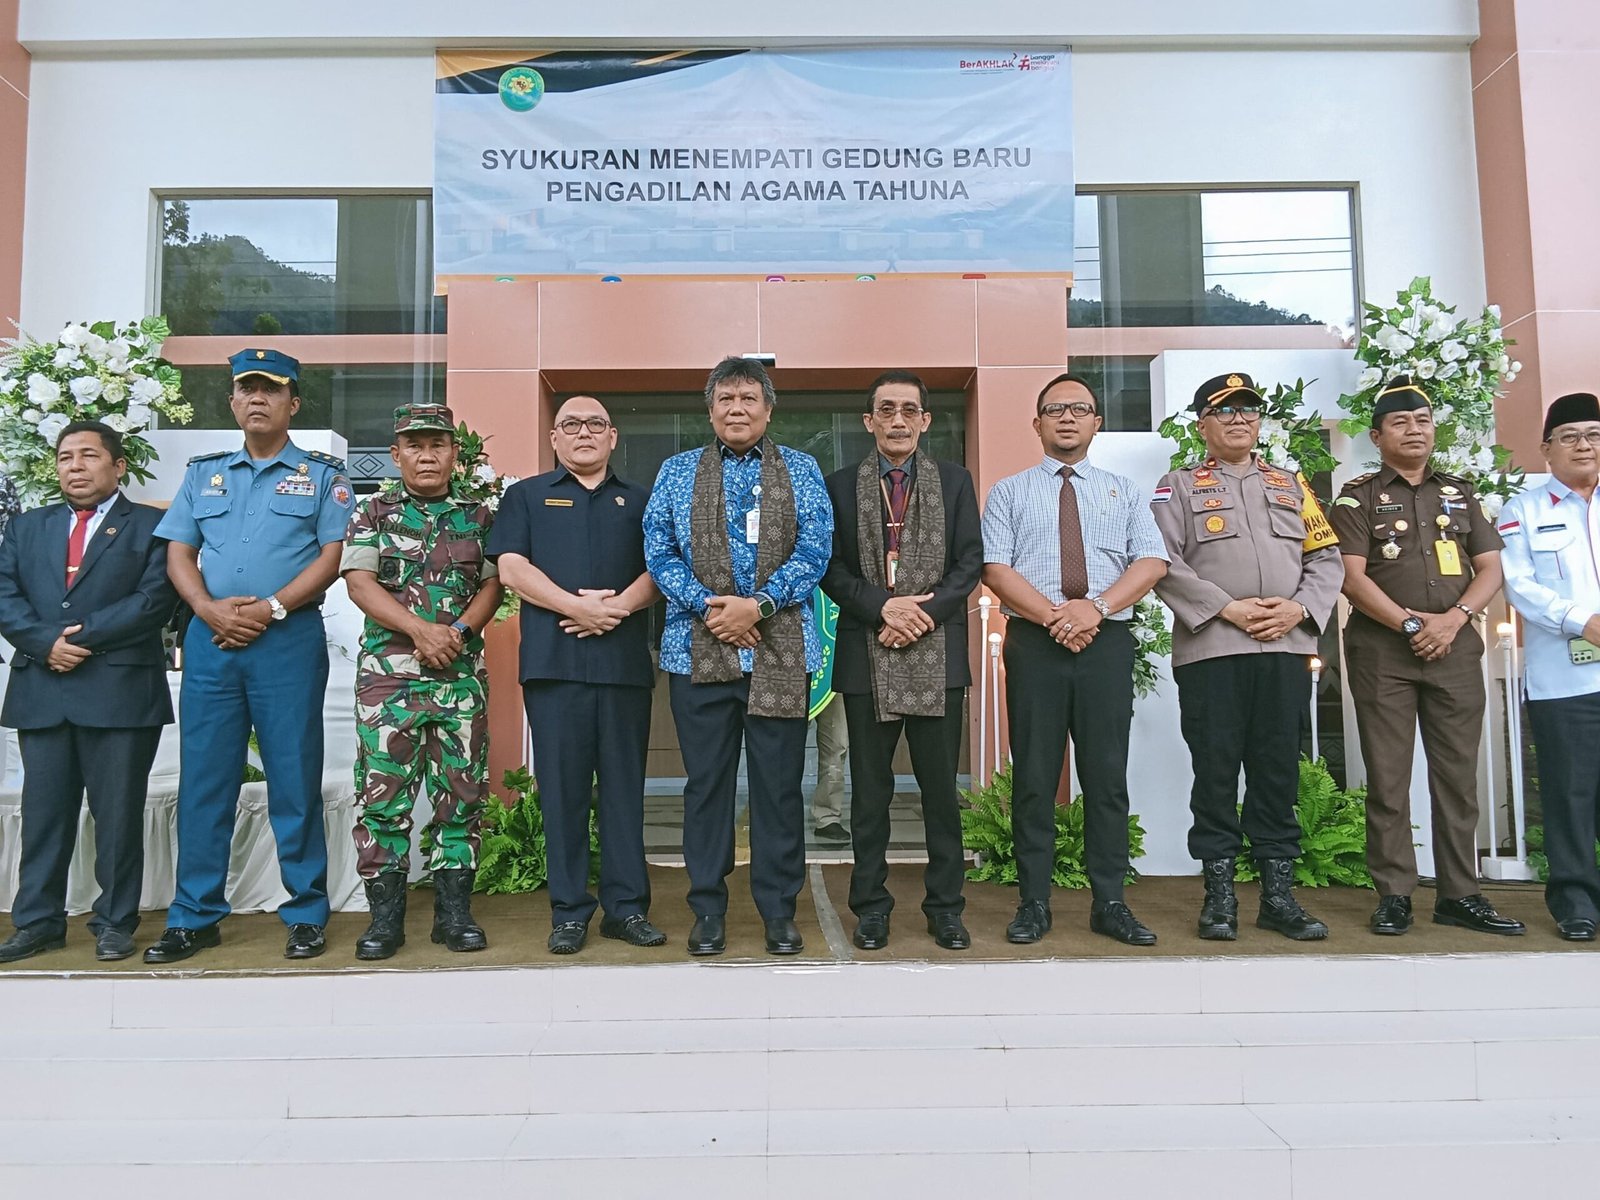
{"points": [[50, 428], [507, 480], [146, 390], [32, 415], [43, 391], [1446, 371], [118, 348], [1394, 341], [75, 335], [1452, 351], [484, 473], [1494, 311], [492, 503], [95, 347], [118, 422], [1371, 377], [86, 389], [1483, 460], [139, 416], [1492, 504], [66, 356], [115, 392], [1426, 368]]}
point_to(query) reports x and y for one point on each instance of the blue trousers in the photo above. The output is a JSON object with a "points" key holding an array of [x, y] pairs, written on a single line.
{"points": [[275, 684]]}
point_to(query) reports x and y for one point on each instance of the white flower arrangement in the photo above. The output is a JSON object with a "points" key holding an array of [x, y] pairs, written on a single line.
{"points": [[93, 372], [1464, 364], [1290, 436]]}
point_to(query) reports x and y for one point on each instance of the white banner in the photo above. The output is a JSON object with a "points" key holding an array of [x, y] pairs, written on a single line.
{"points": [[753, 161]]}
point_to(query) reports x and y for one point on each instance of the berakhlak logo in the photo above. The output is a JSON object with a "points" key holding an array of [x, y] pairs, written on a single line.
{"points": [[521, 88], [1013, 62]]}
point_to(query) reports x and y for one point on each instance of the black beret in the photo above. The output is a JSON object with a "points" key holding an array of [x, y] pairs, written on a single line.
{"points": [[1574, 406], [1235, 385], [1400, 394]]}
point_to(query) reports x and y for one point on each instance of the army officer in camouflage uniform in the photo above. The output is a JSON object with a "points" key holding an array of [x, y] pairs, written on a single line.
{"points": [[414, 563]]}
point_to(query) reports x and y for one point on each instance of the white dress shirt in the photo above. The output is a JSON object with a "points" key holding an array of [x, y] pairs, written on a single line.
{"points": [[1551, 562]]}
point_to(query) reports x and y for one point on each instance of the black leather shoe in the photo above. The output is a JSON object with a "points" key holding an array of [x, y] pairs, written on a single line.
{"points": [[305, 941], [1115, 919], [175, 945], [783, 937], [453, 926], [386, 902], [112, 945], [635, 930], [568, 937], [709, 935], [872, 931], [1280, 911], [1576, 929], [1475, 912], [949, 932], [1030, 924], [1219, 912], [25, 943], [1392, 917]]}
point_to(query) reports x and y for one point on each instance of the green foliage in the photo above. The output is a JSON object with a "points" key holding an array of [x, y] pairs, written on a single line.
{"points": [[1151, 640], [1290, 437], [1537, 857], [511, 854], [986, 829], [1333, 832], [252, 769]]}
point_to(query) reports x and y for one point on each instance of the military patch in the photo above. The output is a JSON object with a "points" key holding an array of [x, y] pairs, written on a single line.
{"points": [[1383, 497], [1347, 502], [1287, 499], [1448, 490], [216, 480], [342, 495], [1215, 524], [330, 460], [1276, 479], [1163, 495], [1212, 502], [1510, 527]]}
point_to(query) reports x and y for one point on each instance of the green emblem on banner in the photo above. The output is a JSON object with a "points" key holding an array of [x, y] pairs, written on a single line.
{"points": [[827, 616], [521, 88]]}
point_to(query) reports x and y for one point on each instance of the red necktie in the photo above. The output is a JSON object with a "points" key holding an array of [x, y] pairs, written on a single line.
{"points": [[897, 506], [80, 535], [1074, 565]]}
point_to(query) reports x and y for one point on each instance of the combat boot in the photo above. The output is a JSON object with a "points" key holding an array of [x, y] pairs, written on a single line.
{"points": [[1279, 909], [1219, 914], [453, 926], [386, 897]]}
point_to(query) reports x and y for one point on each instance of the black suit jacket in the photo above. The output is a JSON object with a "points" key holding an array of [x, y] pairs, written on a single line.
{"points": [[122, 598], [860, 602]]}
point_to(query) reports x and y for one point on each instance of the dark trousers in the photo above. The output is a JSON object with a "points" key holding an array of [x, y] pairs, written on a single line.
{"points": [[58, 765], [935, 744], [1053, 694], [277, 684], [588, 739], [1244, 710], [712, 725], [1566, 733], [1393, 690]]}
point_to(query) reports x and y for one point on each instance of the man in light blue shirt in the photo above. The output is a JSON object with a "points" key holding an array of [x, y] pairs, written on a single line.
{"points": [[1552, 578], [737, 536], [1069, 549]]}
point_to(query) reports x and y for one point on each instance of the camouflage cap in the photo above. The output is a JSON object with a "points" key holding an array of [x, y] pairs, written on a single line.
{"points": [[424, 418]]}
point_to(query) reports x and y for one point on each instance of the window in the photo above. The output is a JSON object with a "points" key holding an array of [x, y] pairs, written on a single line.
{"points": [[1238, 257], [1123, 384], [261, 266]]}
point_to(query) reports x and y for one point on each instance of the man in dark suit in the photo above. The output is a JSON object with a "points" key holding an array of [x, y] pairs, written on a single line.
{"points": [[907, 553], [83, 597]]}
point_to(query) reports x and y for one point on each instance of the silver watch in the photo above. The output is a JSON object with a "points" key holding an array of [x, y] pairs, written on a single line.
{"points": [[279, 612], [1100, 606]]}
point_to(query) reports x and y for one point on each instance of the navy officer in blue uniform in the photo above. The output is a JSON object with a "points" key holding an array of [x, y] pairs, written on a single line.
{"points": [[255, 536], [570, 542]]}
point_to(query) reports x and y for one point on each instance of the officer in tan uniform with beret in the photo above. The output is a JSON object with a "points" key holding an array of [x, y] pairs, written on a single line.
{"points": [[1255, 574], [1420, 561]]}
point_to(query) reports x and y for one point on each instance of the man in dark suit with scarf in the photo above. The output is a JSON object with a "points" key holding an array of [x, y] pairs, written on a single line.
{"points": [[737, 536], [907, 552], [84, 595]]}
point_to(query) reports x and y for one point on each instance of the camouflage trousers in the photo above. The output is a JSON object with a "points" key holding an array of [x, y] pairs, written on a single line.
{"points": [[428, 733]]}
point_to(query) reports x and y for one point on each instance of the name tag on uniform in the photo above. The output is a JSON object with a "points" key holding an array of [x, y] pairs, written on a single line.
{"points": [[213, 491], [752, 526], [1388, 508], [553, 503]]}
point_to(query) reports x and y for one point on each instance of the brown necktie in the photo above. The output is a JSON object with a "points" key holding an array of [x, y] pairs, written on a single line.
{"points": [[1074, 566]]}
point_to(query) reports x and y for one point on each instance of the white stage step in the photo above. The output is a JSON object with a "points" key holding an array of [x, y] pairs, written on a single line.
{"points": [[1405, 1077]]}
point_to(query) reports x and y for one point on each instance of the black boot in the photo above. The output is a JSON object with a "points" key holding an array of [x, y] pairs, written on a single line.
{"points": [[1219, 914], [1279, 909], [386, 897], [453, 926]]}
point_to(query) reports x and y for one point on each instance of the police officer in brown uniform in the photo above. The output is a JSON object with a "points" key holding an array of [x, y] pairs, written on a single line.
{"points": [[1254, 577], [1420, 560]]}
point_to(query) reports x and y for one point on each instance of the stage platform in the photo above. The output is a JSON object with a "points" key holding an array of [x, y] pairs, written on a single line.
{"points": [[1395, 1069]]}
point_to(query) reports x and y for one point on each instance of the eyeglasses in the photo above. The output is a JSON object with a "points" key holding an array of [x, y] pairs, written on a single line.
{"points": [[1235, 414], [909, 411], [1078, 408], [571, 425], [1572, 440]]}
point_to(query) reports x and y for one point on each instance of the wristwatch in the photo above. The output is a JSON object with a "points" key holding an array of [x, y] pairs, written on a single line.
{"points": [[279, 612], [765, 605], [1411, 626], [1100, 606], [463, 629]]}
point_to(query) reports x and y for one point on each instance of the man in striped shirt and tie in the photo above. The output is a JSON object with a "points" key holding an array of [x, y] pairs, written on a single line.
{"points": [[1068, 549]]}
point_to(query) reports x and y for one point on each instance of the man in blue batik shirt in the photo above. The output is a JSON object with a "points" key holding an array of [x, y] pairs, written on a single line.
{"points": [[737, 536]]}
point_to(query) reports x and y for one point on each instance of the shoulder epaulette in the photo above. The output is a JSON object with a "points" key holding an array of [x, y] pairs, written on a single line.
{"points": [[327, 459], [213, 454], [1350, 483]]}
